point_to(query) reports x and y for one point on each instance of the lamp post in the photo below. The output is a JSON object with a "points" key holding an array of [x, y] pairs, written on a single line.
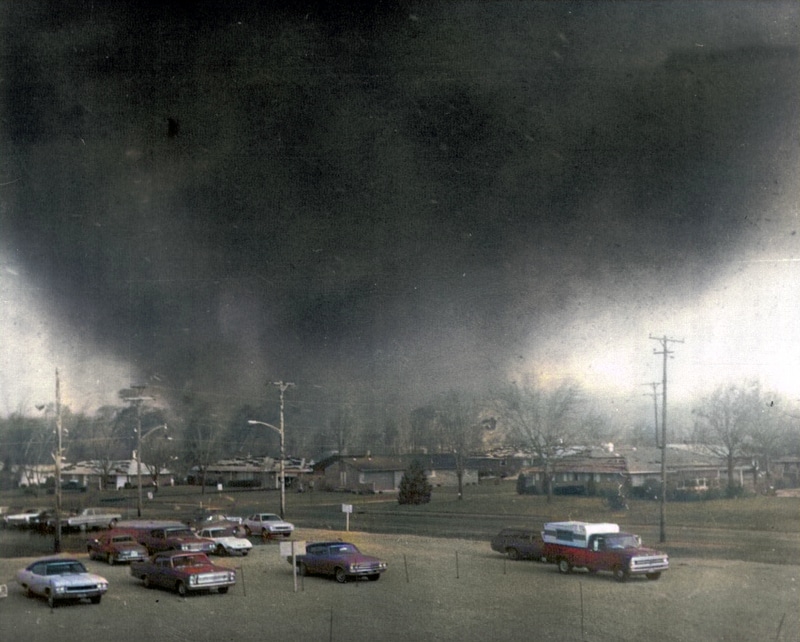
{"points": [[253, 422], [58, 457], [139, 439], [282, 386]]}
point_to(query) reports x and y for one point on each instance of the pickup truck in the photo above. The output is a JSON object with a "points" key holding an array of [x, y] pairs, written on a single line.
{"points": [[92, 518], [601, 547]]}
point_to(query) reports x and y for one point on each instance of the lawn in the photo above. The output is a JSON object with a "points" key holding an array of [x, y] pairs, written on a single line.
{"points": [[759, 529]]}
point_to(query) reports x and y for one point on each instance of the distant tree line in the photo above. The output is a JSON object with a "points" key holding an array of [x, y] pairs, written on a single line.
{"points": [[736, 421]]}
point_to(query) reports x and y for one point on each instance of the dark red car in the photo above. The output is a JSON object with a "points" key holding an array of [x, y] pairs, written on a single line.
{"points": [[183, 572], [116, 546], [340, 559], [519, 544]]}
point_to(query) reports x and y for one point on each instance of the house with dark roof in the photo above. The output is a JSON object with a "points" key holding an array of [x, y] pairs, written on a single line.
{"points": [[382, 473], [261, 472], [687, 467]]}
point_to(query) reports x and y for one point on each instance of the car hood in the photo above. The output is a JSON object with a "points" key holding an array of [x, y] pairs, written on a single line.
{"points": [[647, 552], [77, 579], [127, 546], [230, 540], [201, 568]]}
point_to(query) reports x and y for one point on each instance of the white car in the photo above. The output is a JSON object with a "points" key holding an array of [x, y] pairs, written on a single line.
{"points": [[227, 543], [267, 525], [60, 579], [22, 519]]}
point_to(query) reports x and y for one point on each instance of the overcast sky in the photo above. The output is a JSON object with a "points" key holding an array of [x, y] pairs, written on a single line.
{"points": [[404, 199]]}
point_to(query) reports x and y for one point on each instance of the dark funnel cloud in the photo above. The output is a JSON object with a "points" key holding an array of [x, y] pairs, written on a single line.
{"points": [[393, 197]]}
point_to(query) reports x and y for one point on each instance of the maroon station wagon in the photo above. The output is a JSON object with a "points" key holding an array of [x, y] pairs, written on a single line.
{"points": [[115, 546]]}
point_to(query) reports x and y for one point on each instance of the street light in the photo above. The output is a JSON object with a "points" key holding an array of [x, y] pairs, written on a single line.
{"points": [[282, 386], [253, 422], [139, 439]]}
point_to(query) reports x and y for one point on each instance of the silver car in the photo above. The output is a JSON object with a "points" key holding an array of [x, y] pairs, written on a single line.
{"points": [[267, 525], [60, 579]]}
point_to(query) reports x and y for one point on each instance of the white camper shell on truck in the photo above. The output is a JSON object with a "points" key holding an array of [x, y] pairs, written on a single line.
{"points": [[575, 533]]}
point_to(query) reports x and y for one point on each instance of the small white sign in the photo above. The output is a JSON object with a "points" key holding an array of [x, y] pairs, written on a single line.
{"points": [[290, 548], [347, 508]]}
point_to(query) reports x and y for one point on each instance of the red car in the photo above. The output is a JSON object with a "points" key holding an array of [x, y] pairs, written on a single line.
{"points": [[183, 572], [340, 559], [116, 546]]}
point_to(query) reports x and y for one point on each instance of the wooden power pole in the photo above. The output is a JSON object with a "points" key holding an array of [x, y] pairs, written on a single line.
{"points": [[665, 351]]}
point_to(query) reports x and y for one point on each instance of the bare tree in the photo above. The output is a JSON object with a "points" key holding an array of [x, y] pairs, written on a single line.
{"points": [[769, 434], [202, 443], [726, 418], [547, 422], [422, 428], [460, 431]]}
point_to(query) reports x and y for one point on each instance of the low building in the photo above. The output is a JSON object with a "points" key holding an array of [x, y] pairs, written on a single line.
{"points": [[383, 473], [581, 470], [259, 472], [91, 474]]}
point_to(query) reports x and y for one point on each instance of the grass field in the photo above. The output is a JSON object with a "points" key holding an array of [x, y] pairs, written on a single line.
{"points": [[758, 529]]}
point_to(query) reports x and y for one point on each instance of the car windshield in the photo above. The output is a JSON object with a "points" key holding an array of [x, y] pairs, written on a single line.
{"points": [[122, 538], [188, 560], [622, 541], [268, 517], [339, 549], [179, 532], [65, 568]]}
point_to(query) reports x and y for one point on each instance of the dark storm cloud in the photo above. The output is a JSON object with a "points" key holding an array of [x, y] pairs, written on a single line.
{"points": [[393, 195]]}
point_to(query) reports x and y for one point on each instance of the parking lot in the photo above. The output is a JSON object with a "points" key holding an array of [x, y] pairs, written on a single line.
{"points": [[435, 589]]}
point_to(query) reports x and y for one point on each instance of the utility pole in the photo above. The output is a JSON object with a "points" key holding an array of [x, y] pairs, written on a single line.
{"points": [[282, 386], [655, 385], [137, 402], [665, 351], [59, 431]]}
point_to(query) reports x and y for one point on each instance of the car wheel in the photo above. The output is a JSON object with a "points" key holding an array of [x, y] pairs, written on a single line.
{"points": [[653, 576], [341, 576], [620, 574], [221, 550], [513, 553], [95, 599], [222, 590], [247, 531], [374, 577], [112, 523], [110, 559], [146, 581], [265, 534], [180, 589], [564, 566], [302, 569]]}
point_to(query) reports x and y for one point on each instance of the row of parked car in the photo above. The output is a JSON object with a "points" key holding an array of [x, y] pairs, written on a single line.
{"points": [[175, 556]]}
